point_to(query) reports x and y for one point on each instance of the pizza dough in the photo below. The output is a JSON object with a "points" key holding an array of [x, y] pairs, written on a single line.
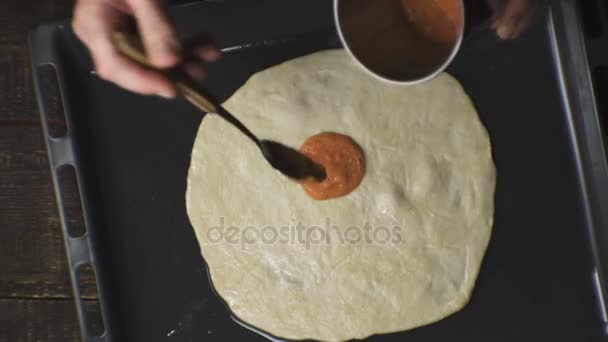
{"points": [[401, 251]]}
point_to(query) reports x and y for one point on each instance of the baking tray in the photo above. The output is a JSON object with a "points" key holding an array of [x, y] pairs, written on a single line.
{"points": [[543, 277]]}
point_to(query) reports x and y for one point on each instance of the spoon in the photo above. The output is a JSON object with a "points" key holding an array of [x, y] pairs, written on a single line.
{"points": [[287, 160]]}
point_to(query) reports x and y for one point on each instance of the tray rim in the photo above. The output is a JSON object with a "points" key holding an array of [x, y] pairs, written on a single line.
{"points": [[567, 43], [61, 153], [587, 142]]}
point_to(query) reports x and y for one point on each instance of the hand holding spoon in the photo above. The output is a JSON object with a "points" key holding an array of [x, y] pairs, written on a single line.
{"points": [[285, 159]]}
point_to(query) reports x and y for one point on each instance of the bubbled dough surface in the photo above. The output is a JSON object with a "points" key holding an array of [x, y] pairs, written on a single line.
{"points": [[429, 172]]}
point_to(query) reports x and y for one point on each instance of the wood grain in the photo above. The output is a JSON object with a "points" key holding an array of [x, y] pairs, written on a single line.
{"points": [[17, 100], [40, 320], [32, 254], [17, 19], [18, 104], [20, 16]]}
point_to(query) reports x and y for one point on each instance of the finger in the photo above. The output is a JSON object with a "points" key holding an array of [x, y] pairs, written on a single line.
{"points": [[535, 10], [157, 32], [521, 26], [114, 67], [504, 30], [498, 8], [203, 47], [93, 19], [120, 5], [209, 53], [515, 11], [195, 70], [498, 11]]}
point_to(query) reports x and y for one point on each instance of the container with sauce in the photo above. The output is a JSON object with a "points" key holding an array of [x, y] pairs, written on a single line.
{"points": [[401, 41]]}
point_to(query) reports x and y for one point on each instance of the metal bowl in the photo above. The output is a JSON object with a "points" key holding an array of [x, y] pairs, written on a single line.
{"points": [[382, 38]]}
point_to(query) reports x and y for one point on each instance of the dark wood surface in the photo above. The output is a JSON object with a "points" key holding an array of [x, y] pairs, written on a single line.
{"points": [[40, 320], [35, 293], [32, 256]]}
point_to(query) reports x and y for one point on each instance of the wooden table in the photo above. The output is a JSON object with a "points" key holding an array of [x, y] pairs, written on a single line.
{"points": [[35, 293]]}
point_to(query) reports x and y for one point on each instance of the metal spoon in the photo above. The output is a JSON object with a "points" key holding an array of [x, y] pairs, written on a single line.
{"points": [[285, 159]]}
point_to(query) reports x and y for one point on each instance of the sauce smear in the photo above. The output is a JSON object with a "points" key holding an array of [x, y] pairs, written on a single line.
{"points": [[343, 161]]}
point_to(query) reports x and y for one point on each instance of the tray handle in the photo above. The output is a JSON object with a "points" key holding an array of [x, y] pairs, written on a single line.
{"points": [[580, 103], [44, 52]]}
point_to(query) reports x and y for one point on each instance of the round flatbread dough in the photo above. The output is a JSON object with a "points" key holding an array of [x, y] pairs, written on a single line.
{"points": [[402, 250]]}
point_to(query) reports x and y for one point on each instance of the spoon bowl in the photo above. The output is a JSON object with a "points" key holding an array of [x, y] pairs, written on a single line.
{"points": [[291, 162]]}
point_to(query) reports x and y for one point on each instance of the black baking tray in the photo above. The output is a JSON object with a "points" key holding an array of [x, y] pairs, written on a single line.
{"points": [[543, 277]]}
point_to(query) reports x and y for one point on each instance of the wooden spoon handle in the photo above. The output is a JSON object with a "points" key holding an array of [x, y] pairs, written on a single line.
{"points": [[131, 47], [196, 98]]}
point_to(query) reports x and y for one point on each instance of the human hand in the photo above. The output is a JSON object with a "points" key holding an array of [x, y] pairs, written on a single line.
{"points": [[512, 17], [96, 20]]}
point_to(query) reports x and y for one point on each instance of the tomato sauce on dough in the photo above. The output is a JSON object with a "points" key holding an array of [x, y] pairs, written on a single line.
{"points": [[343, 161]]}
